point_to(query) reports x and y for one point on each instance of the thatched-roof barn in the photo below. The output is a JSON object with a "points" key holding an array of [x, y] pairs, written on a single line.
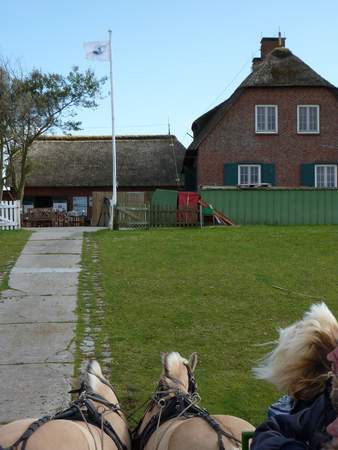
{"points": [[66, 171], [143, 162]]}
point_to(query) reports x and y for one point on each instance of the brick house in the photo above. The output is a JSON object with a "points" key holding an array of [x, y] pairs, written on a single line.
{"points": [[279, 127], [66, 170]]}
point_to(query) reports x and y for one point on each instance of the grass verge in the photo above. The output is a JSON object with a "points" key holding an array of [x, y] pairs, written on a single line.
{"points": [[219, 291], [11, 244]]}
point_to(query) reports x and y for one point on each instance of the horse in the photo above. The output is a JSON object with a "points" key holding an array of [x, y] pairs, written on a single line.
{"points": [[93, 422], [298, 365], [174, 421]]}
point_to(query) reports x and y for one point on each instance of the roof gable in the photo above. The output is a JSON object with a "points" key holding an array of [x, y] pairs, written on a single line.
{"points": [[279, 69], [282, 68]]}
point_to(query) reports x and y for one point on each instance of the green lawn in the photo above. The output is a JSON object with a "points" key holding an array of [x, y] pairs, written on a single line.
{"points": [[11, 244], [212, 291]]}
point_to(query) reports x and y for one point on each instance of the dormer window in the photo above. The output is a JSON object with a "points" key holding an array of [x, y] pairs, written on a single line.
{"points": [[308, 119], [266, 119]]}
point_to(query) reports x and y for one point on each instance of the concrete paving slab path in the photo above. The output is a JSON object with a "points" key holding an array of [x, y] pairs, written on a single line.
{"points": [[37, 324], [41, 260], [63, 246], [34, 390], [43, 308], [28, 343], [48, 283]]}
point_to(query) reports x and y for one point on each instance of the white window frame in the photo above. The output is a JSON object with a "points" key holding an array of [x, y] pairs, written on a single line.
{"points": [[307, 115], [335, 176], [249, 166], [83, 211], [265, 114], [60, 205]]}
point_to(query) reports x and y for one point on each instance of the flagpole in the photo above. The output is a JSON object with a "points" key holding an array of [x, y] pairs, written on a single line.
{"points": [[113, 200]]}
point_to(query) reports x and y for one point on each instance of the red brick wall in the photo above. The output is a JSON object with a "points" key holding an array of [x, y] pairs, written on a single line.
{"points": [[234, 139], [269, 44]]}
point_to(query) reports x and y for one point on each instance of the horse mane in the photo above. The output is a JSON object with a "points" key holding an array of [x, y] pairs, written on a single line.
{"points": [[170, 360], [298, 365], [93, 368]]}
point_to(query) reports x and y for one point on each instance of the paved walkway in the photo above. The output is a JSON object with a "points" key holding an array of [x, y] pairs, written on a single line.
{"points": [[37, 324]]}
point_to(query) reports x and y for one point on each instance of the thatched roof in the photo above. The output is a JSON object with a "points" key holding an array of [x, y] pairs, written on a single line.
{"points": [[280, 68], [142, 161]]}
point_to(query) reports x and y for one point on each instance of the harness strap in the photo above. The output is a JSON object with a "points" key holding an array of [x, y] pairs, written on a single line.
{"points": [[73, 413], [219, 430], [28, 433], [95, 419], [170, 412], [179, 407]]}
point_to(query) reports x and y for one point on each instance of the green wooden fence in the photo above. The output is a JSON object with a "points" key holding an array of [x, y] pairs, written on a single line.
{"points": [[168, 216], [154, 216], [275, 206]]}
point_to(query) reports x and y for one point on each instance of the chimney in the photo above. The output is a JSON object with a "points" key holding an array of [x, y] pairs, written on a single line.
{"points": [[270, 43], [267, 45]]}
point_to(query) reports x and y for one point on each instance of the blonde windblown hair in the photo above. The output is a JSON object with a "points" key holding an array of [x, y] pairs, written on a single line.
{"points": [[298, 365]]}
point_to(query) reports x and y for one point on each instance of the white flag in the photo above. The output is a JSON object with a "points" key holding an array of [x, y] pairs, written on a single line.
{"points": [[98, 51]]}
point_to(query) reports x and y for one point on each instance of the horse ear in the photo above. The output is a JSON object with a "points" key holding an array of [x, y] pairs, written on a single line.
{"points": [[193, 361]]}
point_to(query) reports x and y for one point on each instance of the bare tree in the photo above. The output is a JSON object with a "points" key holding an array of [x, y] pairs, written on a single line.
{"points": [[6, 109], [37, 103]]}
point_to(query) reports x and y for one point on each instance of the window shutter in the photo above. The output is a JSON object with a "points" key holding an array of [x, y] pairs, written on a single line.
{"points": [[307, 175], [230, 174], [268, 174]]}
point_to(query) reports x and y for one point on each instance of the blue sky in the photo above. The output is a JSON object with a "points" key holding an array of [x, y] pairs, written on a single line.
{"points": [[173, 59]]}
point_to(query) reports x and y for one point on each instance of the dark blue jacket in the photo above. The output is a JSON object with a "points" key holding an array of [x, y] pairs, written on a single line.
{"points": [[288, 405], [305, 429]]}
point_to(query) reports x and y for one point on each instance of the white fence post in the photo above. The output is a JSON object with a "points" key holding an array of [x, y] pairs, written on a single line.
{"points": [[18, 213], [10, 215]]}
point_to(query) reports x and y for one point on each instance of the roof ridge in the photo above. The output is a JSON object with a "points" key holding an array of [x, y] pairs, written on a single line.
{"points": [[107, 137], [282, 68], [145, 163]]}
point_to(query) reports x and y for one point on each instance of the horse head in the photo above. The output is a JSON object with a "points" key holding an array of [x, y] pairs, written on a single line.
{"points": [[93, 420], [178, 372], [97, 389], [177, 379], [298, 365], [174, 420], [96, 383]]}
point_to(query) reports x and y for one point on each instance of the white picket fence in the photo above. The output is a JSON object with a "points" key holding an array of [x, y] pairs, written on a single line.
{"points": [[10, 215]]}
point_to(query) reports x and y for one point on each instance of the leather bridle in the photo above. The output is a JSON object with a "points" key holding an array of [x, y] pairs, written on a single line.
{"points": [[82, 409], [173, 403]]}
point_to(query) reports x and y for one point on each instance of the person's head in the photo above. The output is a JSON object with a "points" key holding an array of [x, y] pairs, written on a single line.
{"points": [[298, 365]]}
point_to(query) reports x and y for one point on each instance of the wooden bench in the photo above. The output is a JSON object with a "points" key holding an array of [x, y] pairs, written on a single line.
{"points": [[39, 217], [48, 217]]}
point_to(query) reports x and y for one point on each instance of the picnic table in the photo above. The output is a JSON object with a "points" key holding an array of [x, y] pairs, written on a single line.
{"points": [[39, 217], [49, 217]]}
